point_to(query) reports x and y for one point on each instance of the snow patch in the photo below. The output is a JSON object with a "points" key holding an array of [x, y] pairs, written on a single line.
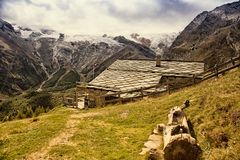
{"points": [[91, 39], [25, 33], [165, 38]]}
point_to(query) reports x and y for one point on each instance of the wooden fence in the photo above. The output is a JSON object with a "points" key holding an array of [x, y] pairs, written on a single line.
{"points": [[220, 69], [120, 97]]}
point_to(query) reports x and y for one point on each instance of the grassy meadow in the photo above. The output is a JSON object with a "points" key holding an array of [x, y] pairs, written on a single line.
{"points": [[119, 131]]}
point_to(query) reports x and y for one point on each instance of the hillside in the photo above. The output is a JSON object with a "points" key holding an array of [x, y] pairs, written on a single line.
{"points": [[212, 37], [118, 132]]}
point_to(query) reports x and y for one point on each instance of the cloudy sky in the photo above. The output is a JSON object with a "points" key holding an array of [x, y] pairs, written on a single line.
{"points": [[106, 16]]}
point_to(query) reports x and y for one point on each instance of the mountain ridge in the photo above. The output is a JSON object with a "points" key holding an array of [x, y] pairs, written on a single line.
{"points": [[212, 37]]}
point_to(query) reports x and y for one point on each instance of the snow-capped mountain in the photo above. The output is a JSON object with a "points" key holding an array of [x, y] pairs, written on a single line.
{"points": [[157, 42], [35, 34]]}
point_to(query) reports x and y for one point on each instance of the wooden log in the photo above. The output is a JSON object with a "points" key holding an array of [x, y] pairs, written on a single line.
{"points": [[182, 147], [178, 142]]}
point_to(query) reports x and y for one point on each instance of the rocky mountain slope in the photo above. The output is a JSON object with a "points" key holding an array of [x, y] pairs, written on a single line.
{"points": [[212, 37], [19, 67], [42, 59]]}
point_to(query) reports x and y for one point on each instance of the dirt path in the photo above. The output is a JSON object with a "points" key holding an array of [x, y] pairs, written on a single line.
{"points": [[63, 138]]}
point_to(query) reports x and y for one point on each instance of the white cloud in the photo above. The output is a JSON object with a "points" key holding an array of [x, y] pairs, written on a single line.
{"points": [[208, 4], [106, 16]]}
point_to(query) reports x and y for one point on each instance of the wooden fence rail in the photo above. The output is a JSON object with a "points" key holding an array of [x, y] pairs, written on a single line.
{"points": [[219, 69]]}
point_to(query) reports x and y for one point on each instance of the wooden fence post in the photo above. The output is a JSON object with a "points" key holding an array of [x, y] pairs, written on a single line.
{"points": [[63, 98], [119, 97], [103, 101], [194, 79], [233, 62], [217, 70], [142, 92], [238, 60], [76, 98], [168, 86]]}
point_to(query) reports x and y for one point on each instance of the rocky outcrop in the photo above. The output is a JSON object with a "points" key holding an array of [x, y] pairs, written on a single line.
{"points": [[212, 37]]}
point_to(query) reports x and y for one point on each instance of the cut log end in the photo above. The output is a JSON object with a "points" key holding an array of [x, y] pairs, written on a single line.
{"points": [[181, 150]]}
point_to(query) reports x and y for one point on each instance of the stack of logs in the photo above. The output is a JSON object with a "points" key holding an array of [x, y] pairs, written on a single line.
{"points": [[177, 139]]}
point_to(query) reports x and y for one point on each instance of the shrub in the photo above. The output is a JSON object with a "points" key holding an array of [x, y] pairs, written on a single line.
{"points": [[39, 110], [32, 104], [5, 108], [6, 118], [42, 99], [29, 112], [20, 115]]}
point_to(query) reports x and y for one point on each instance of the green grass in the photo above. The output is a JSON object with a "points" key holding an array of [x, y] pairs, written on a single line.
{"points": [[19, 138], [120, 132]]}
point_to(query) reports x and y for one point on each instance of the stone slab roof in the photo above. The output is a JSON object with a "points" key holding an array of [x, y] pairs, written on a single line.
{"points": [[126, 75], [118, 80], [168, 67]]}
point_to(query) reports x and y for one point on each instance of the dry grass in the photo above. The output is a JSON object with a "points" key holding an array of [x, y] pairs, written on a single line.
{"points": [[120, 131]]}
